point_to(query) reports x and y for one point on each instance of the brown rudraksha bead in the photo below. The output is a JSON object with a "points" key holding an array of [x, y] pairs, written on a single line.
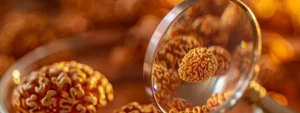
{"points": [[217, 99], [165, 82], [173, 49], [135, 107], [198, 65], [206, 26], [64, 87], [179, 104], [196, 109], [223, 57]]}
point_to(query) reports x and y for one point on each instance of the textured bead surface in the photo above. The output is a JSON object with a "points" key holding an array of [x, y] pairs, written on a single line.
{"points": [[196, 109], [172, 50], [217, 99], [135, 107], [198, 65], [178, 104], [223, 58], [64, 87], [165, 82]]}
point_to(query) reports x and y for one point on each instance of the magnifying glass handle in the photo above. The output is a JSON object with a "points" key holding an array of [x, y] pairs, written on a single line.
{"points": [[271, 106], [256, 94]]}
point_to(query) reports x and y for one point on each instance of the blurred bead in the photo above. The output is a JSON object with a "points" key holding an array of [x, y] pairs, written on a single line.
{"points": [[295, 20], [121, 57], [170, 3], [5, 5], [291, 49], [71, 22], [159, 12], [263, 9], [88, 7], [217, 99], [280, 49], [235, 24], [232, 17], [207, 26], [128, 9], [26, 42], [165, 82], [118, 11], [23, 32], [173, 49], [271, 74], [291, 88], [135, 107], [173, 110], [183, 28], [218, 6], [242, 61], [198, 65], [145, 27], [200, 9], [6, 62], [207, 7], [292, 6], [128, 89], [131, 107], [223, 58], [280, 22], [221, 39], [196, 109], [150, 108], [102, 11], [293, 9], [178, 104], [48, 37], [107, 35], [12, 23]]}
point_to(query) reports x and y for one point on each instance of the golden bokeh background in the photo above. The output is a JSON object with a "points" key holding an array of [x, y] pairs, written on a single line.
{"points": [[26, 25]]}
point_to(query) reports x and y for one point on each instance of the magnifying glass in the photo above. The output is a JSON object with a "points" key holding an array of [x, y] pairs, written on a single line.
{"points": [[203, 56]]}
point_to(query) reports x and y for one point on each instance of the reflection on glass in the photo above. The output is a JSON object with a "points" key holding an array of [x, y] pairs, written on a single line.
{"points": [[16, 76]]}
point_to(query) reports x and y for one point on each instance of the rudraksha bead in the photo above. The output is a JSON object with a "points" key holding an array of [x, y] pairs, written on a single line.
{"points": [[198, 65], [64, 87]]}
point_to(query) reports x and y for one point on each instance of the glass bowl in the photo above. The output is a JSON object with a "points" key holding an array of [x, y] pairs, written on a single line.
{"points": [[87, 51]]}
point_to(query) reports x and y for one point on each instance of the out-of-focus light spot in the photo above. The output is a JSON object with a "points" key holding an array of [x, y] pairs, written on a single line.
{"points": [[281, 99], [256, 68], [264, 9], [293, 6], [16, 73], [154, 85], [16, 80], [16, 76], [220, 84], [280, 49], [243, 44]]}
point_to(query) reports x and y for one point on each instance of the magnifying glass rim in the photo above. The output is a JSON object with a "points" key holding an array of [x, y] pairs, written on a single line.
{"points": [[161, 30]]}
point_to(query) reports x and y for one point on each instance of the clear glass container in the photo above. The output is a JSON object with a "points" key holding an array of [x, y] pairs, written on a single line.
{"points": [[92, 52]]}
